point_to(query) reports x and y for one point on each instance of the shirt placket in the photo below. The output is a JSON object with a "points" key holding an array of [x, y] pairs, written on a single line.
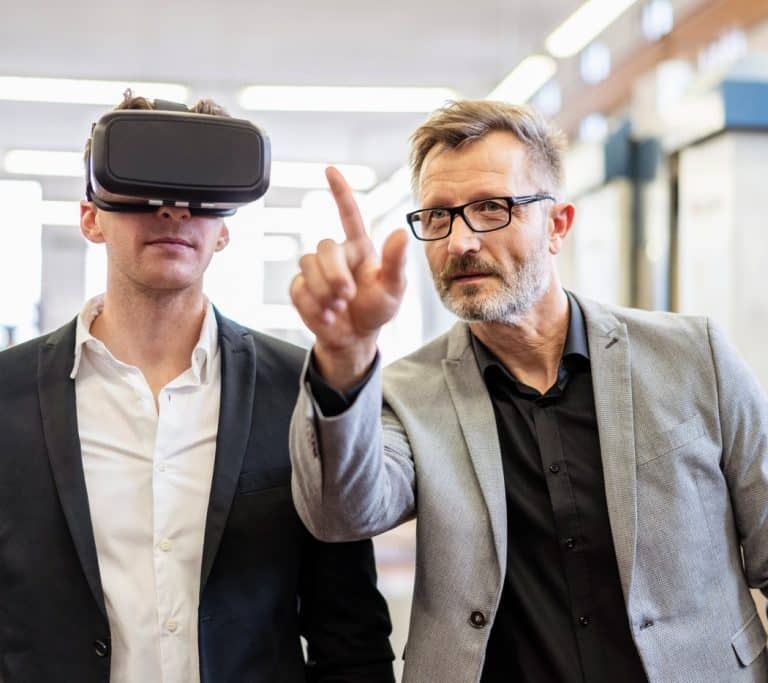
{"points": [[567, 522], [170, 619]]}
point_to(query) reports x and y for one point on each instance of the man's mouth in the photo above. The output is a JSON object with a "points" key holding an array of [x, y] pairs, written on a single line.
{"points": [[472, 275], [171, 240]]}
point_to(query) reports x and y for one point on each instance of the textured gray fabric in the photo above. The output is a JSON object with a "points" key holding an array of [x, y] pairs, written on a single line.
{"points": [[683, 432]]}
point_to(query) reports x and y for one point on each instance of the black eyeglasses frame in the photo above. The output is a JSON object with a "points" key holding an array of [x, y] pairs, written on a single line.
{"points": [[459, 211]]}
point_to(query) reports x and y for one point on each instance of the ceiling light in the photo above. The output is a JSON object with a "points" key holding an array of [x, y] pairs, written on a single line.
{"points": [[312, 175], [45, 163], [586, 23], [525, 80], [348, 99], [84, 92]]}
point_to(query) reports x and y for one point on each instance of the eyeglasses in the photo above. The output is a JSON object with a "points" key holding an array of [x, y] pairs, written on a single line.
{"points": [[482, 215]]}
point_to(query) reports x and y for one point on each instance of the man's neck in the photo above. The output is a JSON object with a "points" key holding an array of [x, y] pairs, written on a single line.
{"points": [[531, 348], [155, 332]]}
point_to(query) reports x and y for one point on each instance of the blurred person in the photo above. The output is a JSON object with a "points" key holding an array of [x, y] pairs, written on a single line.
{"points": [[147, 531], [590, 482]]}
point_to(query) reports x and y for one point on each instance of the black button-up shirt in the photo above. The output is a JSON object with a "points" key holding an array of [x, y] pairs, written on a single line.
{"points": [[562, 617]]}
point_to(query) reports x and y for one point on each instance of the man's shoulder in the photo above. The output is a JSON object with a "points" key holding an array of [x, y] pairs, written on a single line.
{"points": [[426, 361], [661, 325], [18, 364], [267, 346]]}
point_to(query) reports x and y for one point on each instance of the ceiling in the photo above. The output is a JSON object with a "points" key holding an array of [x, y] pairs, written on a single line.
{"points": [[215, 49]]}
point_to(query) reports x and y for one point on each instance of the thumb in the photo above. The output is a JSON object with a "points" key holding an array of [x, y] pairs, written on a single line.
{"points": [[392, 273]]}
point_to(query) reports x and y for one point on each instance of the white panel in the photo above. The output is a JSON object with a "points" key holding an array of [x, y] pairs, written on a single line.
{"points": [[20, 257], [723, 242], [597, 253]]}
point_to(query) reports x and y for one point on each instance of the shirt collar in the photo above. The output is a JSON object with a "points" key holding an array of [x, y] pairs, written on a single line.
{"points": [[203, 354], [575, 341]]}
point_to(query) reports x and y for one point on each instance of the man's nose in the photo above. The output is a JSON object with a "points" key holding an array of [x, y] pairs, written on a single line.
{"points": [[462, 239], [174, 213]]}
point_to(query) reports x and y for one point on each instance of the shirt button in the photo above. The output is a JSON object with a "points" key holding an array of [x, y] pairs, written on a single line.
{"points": [[583, 621], [477, 619], [172, 625], [161, 467], [165, 545], [101, 648], [570, 543], [646, 624], [555, 468]]}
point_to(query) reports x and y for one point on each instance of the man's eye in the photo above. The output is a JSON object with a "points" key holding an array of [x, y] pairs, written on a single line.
{"points": [[437, 214], [490, 206]]}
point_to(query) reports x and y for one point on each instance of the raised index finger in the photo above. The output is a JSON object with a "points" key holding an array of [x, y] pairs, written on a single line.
{"points": [[349, 212]]}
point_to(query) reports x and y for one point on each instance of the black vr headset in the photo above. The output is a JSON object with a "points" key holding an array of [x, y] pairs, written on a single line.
{"points": [[167, 156]]}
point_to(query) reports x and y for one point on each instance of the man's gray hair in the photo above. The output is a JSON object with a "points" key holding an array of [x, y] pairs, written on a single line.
{"points": [[462, 122]]}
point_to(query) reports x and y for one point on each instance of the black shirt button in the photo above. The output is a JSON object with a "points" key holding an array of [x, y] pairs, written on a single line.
{"points": [[477, 619], [101, 648], [583, 621], [646, 624], [554, 468], [570, 543]]}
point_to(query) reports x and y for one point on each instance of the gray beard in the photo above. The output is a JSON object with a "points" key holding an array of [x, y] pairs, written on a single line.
{"points": [[518, 292]]}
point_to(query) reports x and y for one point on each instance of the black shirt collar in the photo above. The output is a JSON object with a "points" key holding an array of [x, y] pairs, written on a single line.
{"points": [[575, 352]]}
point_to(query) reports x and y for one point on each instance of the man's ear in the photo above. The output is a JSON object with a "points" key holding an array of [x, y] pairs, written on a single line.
{"points": [[560, 224], [89, 224], [223, 240]]}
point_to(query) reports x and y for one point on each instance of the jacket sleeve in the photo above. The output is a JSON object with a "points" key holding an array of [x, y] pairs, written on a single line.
{"points": [[743, 410], [343, 617], [353, 473]]}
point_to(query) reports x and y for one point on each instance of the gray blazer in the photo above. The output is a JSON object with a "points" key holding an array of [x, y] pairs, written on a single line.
{"points": [[683, 431]]}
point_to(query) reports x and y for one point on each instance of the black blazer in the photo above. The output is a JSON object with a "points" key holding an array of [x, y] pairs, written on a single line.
{"points": [[264, 579]]}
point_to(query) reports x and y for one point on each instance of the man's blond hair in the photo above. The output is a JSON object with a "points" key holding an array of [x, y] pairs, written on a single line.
{"points": [[465, 121]]}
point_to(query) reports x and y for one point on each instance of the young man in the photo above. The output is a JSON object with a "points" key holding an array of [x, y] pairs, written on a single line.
{"points": [[147, 531], [590, 481]]}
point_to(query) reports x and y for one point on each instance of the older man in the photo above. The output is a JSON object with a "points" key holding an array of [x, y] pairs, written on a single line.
{"points": [[591, 483]]}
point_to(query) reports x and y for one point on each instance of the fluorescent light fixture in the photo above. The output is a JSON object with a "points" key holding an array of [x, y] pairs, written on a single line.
{"points": [[73, 91], [584, 25], [348, 99], [44, 163], [525, 80], [312, 175]]}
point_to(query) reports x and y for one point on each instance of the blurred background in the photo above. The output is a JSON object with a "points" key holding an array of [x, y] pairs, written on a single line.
{"points": [[665, 103]]}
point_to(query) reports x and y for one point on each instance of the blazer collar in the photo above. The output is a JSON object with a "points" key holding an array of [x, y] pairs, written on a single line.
{"points": [[238, 382], [610, 351], [58, 411], [478, 425]]}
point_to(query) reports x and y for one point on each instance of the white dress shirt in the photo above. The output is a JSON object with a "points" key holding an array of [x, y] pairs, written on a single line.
{"points": [[148, 474]]}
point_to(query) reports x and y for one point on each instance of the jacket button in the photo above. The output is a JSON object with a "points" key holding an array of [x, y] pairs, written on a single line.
{"points": [[477, 619], [101, 648]]}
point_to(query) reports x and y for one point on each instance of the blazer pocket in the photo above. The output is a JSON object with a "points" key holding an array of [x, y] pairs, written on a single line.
{"points": [[263, 480], [659, 444], [749, 641]]}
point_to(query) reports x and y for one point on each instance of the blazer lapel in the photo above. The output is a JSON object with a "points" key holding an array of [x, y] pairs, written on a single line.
{"points": [[478, 424], [58, 410], [238, 374], [610, 353]]}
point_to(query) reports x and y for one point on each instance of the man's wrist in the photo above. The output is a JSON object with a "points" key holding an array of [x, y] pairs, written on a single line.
{"points": [[342, 369]]}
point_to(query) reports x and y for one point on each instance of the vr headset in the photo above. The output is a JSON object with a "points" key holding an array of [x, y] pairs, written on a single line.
{"points": [[142, 159]]}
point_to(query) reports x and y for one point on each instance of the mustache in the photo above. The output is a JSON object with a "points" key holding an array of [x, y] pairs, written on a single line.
{"points": [[456, 266]]}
